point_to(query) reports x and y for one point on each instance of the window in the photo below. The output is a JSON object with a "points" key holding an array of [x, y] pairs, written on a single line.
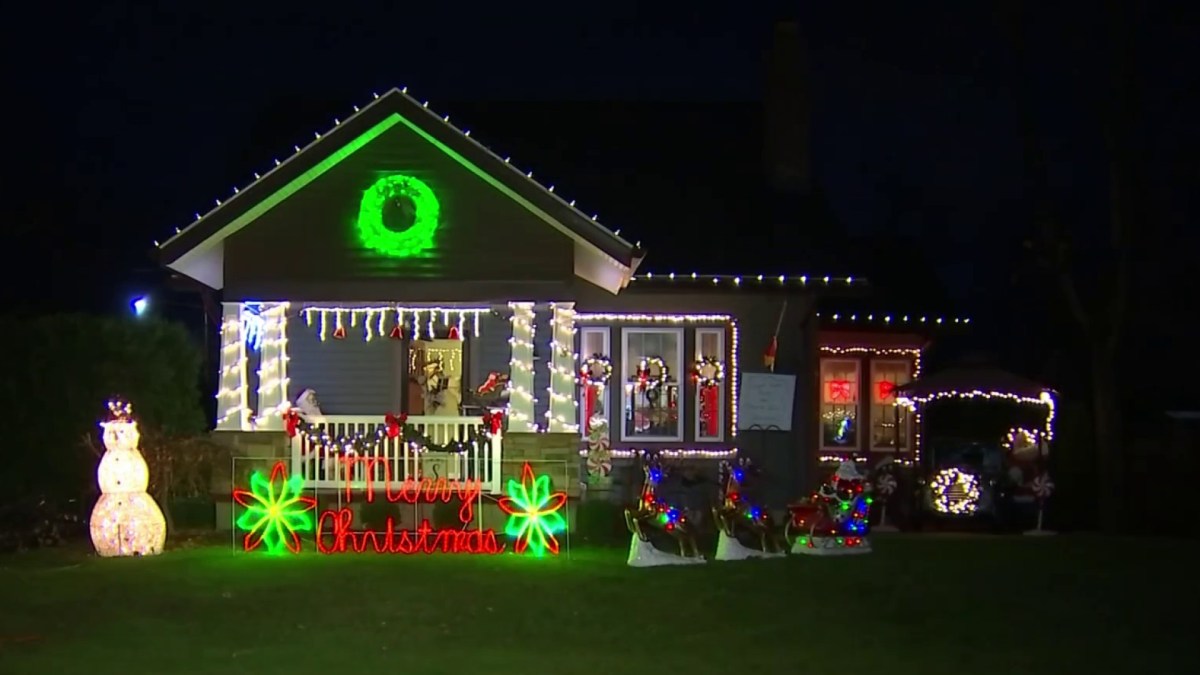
{"points": [[885, 377], [593, 342], [839, 404], [710, 400], [651, 362]]}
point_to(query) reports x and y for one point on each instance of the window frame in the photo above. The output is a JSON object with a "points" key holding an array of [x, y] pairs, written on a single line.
{"points": [[858, 436], [722, 389], [627, 331], [606, 395], [904, 414]]}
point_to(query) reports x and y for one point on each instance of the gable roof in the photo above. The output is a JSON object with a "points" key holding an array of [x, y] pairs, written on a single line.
{"points": [[197, 250]]}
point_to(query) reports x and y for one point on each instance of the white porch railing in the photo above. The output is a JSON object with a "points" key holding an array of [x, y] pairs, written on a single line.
{"points": [[324, 469]]}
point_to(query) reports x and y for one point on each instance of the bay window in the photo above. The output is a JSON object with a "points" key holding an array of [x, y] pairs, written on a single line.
{"points": [[839, 404], [651, 367]]}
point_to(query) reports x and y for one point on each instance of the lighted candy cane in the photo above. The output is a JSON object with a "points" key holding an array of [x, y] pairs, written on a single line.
{"points": [[885, 485], [599, 457]]}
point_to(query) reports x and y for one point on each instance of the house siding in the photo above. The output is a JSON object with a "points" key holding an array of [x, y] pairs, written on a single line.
{"points": [[351, 376]]}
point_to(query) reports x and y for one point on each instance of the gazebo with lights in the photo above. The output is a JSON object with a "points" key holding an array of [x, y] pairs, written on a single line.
{"points": [[986, 462]]}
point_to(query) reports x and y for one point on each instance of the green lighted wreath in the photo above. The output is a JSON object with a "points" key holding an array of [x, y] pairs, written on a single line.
{"points": [[413, 240]]}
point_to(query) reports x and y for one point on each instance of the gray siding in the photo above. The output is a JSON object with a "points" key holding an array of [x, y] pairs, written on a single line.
{"points": [[491, 351], [351, 376]]}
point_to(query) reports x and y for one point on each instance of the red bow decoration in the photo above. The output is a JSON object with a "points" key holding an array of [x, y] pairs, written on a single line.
{"points": [[395, 423], [454, 334], [839, 390], [339, 333], [397, 333], [492, 421], [291, 420], [886, 389]]}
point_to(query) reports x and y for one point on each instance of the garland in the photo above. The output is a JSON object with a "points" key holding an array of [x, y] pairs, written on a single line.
{"points": [[394, 426]]}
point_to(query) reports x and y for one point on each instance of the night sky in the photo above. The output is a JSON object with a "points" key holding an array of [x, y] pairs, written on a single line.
{"points": [[125, 121]]}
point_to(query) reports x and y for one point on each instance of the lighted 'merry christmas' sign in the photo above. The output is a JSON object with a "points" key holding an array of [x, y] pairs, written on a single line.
{"points": [[276, 512]]}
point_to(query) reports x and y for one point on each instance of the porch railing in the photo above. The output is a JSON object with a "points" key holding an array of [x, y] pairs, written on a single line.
{"points": [[326, 468]]}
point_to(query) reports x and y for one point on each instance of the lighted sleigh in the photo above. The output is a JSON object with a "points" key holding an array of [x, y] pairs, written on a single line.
{"points": [[653, 517], [834, 519]]}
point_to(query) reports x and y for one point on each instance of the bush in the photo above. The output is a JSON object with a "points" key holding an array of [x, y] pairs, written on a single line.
{"points": [[600, 522]]}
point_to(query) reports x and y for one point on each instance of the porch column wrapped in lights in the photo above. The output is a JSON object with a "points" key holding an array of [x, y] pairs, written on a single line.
{"points": [[520, 382], [561, 413], [233, 405], [272, 369]]}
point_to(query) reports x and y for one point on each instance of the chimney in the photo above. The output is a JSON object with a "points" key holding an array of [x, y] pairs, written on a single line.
{"points": [[787, 112]]}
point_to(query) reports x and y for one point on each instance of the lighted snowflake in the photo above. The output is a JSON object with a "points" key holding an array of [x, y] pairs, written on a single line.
{"points": [[955, 492], [533, 513], [275, 511]]}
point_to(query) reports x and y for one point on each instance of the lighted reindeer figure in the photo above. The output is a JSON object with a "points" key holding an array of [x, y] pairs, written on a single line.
{"points": [[652, 513], [736, 514]]}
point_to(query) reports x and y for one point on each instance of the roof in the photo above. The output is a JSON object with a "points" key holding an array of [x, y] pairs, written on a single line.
{"points": [[211, 228], [975, 378]]}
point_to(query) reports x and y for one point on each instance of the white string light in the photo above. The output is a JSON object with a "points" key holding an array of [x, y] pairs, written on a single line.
{"points": [[375, 320], [673, 453], [561, 413], [442, 119], [521, 403], [892, 318], [750, 280]]}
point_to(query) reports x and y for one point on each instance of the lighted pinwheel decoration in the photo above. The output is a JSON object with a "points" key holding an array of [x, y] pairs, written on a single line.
{"points": [[275, 511], [534, 513]]}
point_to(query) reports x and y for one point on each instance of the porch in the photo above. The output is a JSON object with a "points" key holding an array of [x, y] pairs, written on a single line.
{"points": [[321, 456]]}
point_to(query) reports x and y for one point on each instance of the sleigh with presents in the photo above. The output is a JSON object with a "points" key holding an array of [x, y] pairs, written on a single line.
{"points": [[834, 519]]}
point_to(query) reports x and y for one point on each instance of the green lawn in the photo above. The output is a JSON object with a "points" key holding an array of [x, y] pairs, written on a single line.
{"points": [[919, 604]]}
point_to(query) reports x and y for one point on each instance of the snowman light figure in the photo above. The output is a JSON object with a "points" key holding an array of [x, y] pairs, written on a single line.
{"points": [[126, 521]]}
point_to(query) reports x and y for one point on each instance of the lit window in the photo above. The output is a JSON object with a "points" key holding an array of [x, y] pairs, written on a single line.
{"points": [[593, 350], [886, 376], [651, 363], [710, 363], [839, 404]]}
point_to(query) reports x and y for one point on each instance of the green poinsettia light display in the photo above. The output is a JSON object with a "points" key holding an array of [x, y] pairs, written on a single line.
{"points": [[534, 513], [276, 511]]}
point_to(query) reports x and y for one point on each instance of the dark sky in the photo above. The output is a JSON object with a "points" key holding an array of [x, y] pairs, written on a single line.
{"points": [[127, 119]]}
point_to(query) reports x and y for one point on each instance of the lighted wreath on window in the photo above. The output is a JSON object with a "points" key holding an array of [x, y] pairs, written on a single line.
{"points": [[651, 374], [708, 371]]}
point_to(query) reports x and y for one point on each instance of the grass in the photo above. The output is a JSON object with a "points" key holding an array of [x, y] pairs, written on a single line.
{"points": [[920, 604]]}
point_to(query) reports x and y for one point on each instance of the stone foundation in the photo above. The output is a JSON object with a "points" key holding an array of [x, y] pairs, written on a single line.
{"points": [[250, 451], [546, 453]]}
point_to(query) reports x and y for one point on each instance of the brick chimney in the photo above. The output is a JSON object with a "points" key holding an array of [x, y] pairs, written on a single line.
{"points": [[787, 113]]}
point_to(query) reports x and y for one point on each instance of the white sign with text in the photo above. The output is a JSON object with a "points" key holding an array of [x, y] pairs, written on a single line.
{"points": [[765, 401]]}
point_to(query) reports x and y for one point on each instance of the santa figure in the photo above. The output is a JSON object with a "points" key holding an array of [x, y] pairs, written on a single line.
{"points": [[308, 406]]}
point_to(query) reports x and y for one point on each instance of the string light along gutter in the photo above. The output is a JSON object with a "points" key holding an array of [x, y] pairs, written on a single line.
{"points": [[443, 119], [653, 318], [753, 280], [672, 453], [906, 352], [892, 318], [1046, 398]]}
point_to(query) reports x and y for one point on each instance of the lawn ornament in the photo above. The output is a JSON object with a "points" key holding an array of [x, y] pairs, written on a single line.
{"points": [[735, 514], [833, 520], [1042, 487], [653, 514], [126, 520]]}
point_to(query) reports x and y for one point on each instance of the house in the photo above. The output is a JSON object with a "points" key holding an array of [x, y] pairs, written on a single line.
{"points": [[396, 269]]}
